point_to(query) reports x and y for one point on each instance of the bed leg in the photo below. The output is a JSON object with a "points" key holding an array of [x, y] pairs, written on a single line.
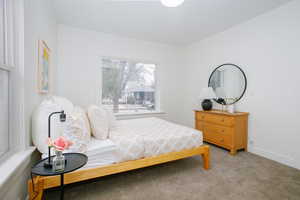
{"points": [[36, 192], [206, 158]]}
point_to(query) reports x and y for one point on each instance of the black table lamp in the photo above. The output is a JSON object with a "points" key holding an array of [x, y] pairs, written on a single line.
{"points": [[62, 118]]}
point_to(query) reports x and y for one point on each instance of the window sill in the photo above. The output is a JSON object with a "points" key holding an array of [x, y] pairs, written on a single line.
{"points": [[121, 116], [9, 167]]}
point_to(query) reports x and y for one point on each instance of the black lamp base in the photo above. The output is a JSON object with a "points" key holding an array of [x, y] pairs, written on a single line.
{"points": [[207, 104]]}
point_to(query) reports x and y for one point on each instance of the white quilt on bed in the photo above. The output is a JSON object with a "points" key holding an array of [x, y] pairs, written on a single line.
{"points": [[138, 138], [146, 137]]}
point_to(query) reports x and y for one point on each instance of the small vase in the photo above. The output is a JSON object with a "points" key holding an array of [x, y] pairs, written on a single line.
{"points": [[230, 108], [58, 161]]}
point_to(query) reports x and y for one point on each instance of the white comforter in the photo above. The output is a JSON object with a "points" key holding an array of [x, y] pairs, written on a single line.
{"points": [[147, 137]]}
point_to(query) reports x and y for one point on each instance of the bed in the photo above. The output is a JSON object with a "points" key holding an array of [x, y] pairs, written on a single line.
{"points": [[132, 144]]}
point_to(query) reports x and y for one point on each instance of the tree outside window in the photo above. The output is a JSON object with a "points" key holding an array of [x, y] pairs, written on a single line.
{"points": [[128, 87]]}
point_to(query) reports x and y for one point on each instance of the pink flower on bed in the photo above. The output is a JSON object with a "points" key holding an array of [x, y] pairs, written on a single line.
{"points": [[60, 143]]}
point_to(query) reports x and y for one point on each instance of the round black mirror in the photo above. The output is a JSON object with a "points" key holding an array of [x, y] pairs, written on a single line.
{"points": [[229, 83]]}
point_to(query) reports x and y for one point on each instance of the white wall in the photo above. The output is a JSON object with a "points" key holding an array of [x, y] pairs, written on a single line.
{"points": [[79, 62], [40, 24], [267, 48]]}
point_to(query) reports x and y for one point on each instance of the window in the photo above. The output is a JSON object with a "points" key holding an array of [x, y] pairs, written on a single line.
{"points": [[10, 78], [4, 83], [4, 137], [2, 32], [128, 86]]}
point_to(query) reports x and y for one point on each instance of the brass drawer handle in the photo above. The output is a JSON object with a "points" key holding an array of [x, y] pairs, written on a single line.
{"points": [[223, 120]]}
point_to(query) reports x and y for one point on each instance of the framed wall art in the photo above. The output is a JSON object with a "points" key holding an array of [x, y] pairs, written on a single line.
{"points": [[43, 67]]}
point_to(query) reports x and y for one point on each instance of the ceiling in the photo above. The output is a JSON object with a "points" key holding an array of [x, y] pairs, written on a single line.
{"points": [[149, 20]]}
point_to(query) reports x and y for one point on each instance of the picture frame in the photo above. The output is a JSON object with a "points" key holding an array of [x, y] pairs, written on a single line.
{"points": [[44, 58]]}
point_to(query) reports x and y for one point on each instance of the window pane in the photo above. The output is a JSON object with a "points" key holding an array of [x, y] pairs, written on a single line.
{"points": [[4, 140], [128, 86], [1, 32]]}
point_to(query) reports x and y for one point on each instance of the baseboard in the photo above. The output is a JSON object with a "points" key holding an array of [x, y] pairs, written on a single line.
{"points": [[283, 159]]}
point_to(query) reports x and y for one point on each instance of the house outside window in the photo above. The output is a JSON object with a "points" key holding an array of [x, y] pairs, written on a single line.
{"points": [[129, 86]]}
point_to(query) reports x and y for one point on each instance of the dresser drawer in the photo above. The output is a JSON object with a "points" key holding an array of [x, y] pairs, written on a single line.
{"points": [[218, 134], [223, 140], [217, 119], [199, 125], [200, 116], [221, 130]]}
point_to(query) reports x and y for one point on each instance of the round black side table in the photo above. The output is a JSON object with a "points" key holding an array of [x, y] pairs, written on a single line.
{"points": [[74, 161]]}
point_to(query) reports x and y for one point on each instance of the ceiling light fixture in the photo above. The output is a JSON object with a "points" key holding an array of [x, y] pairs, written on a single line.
{"points": [[171, 3]]}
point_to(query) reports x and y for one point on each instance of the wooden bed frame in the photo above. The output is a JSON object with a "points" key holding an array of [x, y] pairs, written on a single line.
{"points": [[42, 183]]}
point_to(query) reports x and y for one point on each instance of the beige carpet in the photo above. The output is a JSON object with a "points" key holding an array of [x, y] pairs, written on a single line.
{"points": [[241, 177]]}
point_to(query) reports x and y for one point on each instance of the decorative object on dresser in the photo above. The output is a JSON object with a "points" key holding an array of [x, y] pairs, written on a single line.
{"points": [[207, 94], [229, 83], [227, 130]]}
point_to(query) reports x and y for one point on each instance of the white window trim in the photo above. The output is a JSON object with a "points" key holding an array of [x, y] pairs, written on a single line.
{"points": [[20, 153], [5, 65], [5, 155], [125, 115], [14, 64]]}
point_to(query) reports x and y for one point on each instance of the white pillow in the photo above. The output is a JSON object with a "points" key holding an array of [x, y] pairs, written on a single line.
{"points": [[99, 122], [77, 130], [112, 122], [66, 105], [40, 121]]}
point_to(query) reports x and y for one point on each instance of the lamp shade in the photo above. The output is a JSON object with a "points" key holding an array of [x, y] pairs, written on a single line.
{"points": [[207, 93]]}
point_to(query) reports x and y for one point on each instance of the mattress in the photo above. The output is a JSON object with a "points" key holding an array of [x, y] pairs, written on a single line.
{"points": [[100, 153], [145, 137]]}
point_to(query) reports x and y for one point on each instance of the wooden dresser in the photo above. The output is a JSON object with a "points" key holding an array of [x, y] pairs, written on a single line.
{"points": [[227, 130]]}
